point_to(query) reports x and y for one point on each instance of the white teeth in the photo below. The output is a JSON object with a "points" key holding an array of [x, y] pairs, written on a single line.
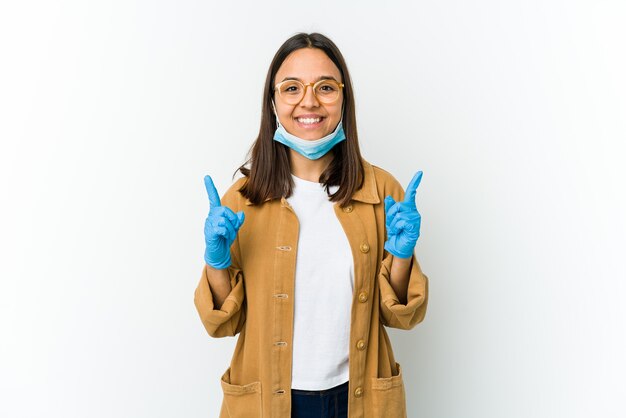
{"points": [[309, 120]]}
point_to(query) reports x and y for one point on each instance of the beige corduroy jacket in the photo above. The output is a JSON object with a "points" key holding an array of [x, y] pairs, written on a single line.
{"points": [[260, 306]]}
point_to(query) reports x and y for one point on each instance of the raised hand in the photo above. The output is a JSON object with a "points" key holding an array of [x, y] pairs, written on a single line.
{"points": [[403, 221], [220, 229]]}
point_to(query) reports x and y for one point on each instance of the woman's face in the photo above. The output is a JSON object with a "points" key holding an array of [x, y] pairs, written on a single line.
{"points": [[307, 65]]}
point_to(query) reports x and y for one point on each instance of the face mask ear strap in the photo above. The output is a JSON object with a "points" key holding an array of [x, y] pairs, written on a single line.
{"points": [[275, 112]]}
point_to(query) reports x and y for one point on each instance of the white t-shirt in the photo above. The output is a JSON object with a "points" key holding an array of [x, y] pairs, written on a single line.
{"points": [[324, 286]]}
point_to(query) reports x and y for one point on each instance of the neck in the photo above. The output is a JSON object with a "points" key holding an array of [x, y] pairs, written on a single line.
{"points": [[306, 169]]}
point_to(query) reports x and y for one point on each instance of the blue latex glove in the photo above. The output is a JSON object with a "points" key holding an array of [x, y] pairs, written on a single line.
{"points": [[220, 229], [403, 221]]}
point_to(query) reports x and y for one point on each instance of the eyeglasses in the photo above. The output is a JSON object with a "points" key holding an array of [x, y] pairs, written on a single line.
{"points": [[292, 91]]}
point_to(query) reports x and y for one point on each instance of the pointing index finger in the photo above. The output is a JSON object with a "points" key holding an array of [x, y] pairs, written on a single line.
{"points": [[409, 196], [214, 197]]}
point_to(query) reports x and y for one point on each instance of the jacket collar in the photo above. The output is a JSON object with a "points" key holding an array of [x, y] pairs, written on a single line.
{"points": [[366, 194]]}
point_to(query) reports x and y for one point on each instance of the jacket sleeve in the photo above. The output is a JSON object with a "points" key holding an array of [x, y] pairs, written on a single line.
{"points": [[393, 314], [230, 318]]}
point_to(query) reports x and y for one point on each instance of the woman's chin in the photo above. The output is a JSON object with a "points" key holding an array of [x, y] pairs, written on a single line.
{"points": [[311, 134]]}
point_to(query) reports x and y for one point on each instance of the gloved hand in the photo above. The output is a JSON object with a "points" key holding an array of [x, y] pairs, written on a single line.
{"points": [[220, 229], [403, 221]]}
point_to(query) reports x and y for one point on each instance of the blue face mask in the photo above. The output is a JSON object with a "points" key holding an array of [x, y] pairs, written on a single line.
{"points": [[311, 149]]}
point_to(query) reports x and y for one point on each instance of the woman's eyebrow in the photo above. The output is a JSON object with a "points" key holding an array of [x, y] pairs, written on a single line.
{"points": [[322, 77]]}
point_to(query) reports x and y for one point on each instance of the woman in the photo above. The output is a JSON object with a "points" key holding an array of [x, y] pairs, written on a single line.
{"points": [[304, 259]]}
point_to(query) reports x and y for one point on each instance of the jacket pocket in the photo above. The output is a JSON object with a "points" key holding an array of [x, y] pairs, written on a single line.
{"points": [[241, 401], [388, 397]]}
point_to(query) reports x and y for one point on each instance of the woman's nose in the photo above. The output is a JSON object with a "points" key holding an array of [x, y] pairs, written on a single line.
{"points": [[309, 99]]}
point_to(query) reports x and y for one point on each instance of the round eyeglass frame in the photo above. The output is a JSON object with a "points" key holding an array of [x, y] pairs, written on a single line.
{"points": [[311, 84]]}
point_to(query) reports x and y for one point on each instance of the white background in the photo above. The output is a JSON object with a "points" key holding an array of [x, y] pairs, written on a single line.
{"points": [[112, 112]]}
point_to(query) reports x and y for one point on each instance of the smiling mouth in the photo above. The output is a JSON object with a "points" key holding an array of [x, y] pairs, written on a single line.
{"points": [[309, 122]]}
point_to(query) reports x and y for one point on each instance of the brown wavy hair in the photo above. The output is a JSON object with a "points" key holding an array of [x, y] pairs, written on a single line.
{"points": [[269, 171]]}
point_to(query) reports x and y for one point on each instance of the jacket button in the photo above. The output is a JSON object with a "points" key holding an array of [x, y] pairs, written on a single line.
{"points": [[358, 392], [363, 297], [348, 209], [365, 248], [360, 345]]}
